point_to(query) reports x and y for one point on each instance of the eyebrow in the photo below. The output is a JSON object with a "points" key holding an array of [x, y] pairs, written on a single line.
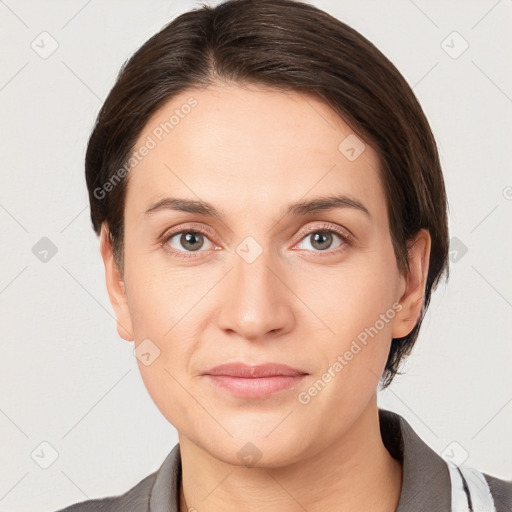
{"points": [[300, 208]]}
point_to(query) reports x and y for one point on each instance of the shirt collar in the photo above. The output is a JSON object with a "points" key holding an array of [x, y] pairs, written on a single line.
{"points": [[425, 483], [426, 480]]}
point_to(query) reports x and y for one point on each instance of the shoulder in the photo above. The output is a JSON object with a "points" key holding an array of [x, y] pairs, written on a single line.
{"points": [[135, 500], [501, 491], [160, 487], [446, 481]]}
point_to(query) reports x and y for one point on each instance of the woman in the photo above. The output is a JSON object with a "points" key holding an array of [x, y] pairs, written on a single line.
{"points": [[272, 220]]}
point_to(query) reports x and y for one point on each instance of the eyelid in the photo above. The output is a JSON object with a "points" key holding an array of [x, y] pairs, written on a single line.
{"points": [[344, 233], [199, 228]]}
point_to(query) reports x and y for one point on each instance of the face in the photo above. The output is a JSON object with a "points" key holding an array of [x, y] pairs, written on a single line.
{"points": [[267, 279]]}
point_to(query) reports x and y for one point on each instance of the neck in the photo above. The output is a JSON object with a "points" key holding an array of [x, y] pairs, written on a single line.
{"points": [[356, 474]]}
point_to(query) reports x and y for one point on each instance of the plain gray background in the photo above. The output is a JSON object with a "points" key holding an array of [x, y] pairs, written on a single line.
{"points": [[66, 378]]}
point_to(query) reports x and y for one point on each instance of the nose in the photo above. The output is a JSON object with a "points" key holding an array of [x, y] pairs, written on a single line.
{"points": [[256, 299]]}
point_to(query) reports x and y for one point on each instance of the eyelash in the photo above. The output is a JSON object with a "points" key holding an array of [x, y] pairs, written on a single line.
{"points": [[346, 239]]}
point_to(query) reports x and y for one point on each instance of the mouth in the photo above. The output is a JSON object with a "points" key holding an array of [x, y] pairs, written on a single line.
{"points": [[259, 381]]}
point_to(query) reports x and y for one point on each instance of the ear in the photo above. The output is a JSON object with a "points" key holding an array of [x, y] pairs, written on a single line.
{"points": [[414, 285], [115, 286]]}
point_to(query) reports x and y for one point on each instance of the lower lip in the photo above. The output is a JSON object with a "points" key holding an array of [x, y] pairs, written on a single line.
{"points": [[255, 387]]}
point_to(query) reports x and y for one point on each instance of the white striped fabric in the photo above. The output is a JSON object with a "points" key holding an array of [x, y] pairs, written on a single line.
{"points": [[481, 498]]}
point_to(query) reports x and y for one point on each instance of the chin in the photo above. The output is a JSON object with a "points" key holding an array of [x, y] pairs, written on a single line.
{"points": [[252, 447]]}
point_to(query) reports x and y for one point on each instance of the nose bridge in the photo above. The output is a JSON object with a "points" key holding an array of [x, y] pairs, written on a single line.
{"points": [[256, 301]]}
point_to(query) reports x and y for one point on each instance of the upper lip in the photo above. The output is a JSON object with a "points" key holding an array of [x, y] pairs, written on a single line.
{"points": [[254, 371]]}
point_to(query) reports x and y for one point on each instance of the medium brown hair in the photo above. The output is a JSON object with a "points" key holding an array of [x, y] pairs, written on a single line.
{"points": [[285, 45]]}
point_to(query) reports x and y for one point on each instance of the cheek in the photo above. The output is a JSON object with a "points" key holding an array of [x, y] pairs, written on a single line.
{"points": [[351, 297], [164, 305], [355, 305], [163, 385], [158, 296]]}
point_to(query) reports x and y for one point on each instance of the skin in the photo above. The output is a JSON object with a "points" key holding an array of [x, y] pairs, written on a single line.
{"points": [[251, 152]]}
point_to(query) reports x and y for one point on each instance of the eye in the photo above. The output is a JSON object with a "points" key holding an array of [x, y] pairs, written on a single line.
{"points": [[321, 239], [186, 242]]}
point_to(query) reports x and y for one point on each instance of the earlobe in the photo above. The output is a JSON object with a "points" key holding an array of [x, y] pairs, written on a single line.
{"points": [[415, 283], [115, 286]]}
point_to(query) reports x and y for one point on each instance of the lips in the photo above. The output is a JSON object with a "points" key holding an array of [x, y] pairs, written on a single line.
{"points": [[259, 381], [254, 372]]}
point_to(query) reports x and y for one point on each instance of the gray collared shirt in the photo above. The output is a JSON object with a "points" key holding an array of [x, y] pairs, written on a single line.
{"points": [[426, 485]]}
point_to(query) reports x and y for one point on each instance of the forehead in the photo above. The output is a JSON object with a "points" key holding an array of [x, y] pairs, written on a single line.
{"points": [[248, 147]]}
